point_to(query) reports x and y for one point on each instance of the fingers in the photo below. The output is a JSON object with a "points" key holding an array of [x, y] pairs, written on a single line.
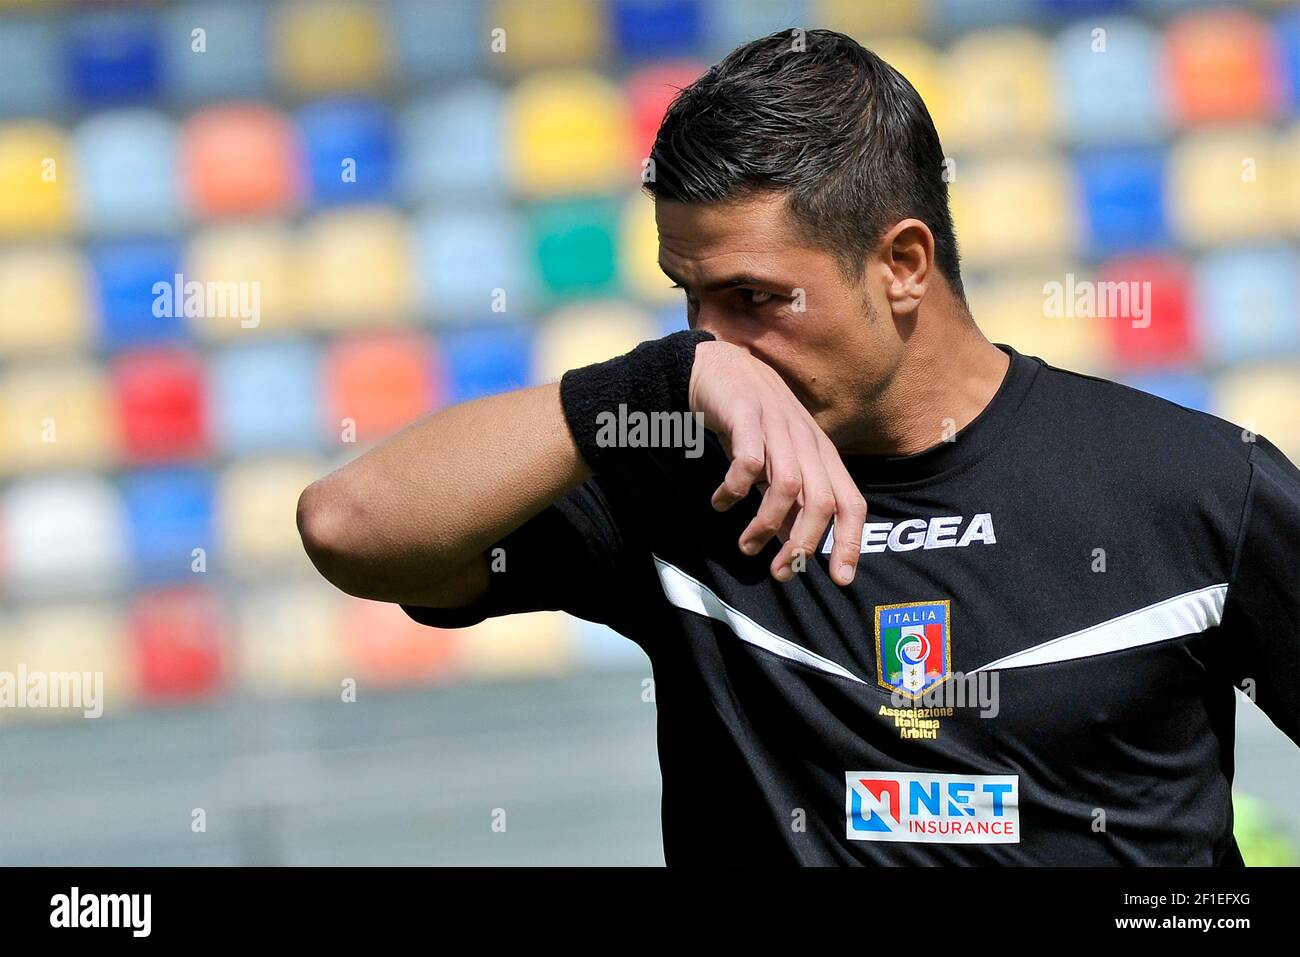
{"points": [[747, 460], [850, 515], [784, 484], [817, 505]]}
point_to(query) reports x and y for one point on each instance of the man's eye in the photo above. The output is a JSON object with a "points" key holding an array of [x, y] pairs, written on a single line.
{"points": [[756, 297]]}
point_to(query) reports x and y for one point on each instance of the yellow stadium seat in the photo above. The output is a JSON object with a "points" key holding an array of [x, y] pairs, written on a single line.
{"points": [[257, 502], [54, 416], [1012, 309], [1020, 209], [587, 333], [356, 266], [35, 194], [260, 253], [638, 250], [526, 34], [332, 45], [67, 639], [999, 90], [517, 646], [288, 639], [44, 305], [921, 65], [864, 21], [1226, 186], [1263, 399], [569, 131]]}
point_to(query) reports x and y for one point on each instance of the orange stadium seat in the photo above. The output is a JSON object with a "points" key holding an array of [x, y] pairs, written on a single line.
{"points": [[240, 159], [330, 45], [569, 131], [1221, 65], [35, 181], [44, 301], [383, 646], [56, 415], [377, 384]]}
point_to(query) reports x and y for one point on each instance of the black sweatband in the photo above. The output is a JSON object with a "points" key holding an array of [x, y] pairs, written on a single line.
{"points": [[653, 377]]}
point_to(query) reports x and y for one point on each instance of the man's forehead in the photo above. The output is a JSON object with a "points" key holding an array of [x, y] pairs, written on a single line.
{"points": [[701, 235]]}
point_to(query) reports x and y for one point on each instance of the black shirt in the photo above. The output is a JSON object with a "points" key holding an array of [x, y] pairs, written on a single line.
{"points": [[1035, 664]]}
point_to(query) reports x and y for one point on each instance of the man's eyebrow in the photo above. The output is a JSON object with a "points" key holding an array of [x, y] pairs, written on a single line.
{"points": [[727, 282]]}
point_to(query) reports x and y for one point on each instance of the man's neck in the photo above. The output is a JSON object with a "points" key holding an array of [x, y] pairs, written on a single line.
{"points": [[944, 383]]}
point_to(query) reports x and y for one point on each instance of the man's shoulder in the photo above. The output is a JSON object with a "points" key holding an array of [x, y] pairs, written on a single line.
{"points": [[1122, 423]]}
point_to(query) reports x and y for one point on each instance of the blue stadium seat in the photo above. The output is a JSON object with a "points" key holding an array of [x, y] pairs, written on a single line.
{"points": [[486, 359], [125, 274], [1186, 388], [348, 148], [727, 24], [1247, 304], [1288, 35], [267, 396], [169, 512], [452, 144], [1123, 199], [114, 56], [34, 83], [461, 257], [655, 28], [438, 39], [1112, 95], [126, 161], [234, 61]]}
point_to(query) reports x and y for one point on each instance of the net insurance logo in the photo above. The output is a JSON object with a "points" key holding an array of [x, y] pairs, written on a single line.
{"points": [[933, 808]]}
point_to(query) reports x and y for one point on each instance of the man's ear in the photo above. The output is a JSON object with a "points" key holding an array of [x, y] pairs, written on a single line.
{"points": [[907, 256]]}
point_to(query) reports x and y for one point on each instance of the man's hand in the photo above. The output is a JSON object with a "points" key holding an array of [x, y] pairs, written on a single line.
{"points": [[774, 443]]}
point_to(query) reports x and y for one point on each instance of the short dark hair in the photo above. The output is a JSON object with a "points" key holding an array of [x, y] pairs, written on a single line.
{"points": [[828, 122]]}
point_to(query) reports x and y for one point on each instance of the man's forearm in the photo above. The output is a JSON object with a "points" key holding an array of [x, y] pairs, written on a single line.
{"points": [[409, 520]]}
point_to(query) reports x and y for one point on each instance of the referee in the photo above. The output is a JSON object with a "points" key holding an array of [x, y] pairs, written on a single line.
{"points": [[1026, 653]]}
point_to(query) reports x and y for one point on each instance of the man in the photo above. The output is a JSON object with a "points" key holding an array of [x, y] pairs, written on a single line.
{"points": [[1027, 656]]}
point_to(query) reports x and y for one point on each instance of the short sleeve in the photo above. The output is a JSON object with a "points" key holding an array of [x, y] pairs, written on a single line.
{"points": [[564, 559], [1261, 616]]}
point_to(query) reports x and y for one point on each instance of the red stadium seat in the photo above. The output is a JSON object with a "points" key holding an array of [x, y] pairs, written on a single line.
{"points": [[161, 405], [384, 646], [1169, 338], [176, 635]]}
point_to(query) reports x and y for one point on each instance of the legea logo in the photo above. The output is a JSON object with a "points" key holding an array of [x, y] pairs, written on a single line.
{"points": [[942, 531], [932, 808]]}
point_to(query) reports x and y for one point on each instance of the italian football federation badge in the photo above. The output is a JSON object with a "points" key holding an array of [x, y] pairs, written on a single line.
{"points": [[913, 646]]}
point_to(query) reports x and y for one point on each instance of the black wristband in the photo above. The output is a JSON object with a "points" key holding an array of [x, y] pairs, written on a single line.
{"points": [[653, 377]]}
